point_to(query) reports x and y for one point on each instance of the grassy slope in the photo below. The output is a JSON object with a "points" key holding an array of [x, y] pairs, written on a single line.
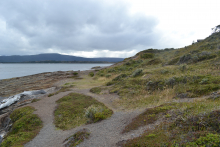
{"points": [[155, 77]]}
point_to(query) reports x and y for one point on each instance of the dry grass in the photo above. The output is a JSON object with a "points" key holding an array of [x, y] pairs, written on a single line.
{"points": [[87, 82]]}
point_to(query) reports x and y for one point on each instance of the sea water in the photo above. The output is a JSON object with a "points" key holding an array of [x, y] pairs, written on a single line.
{"points": [[8, 70]]}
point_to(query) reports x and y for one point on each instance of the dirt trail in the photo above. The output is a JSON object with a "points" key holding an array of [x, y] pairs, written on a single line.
{"points": [[103, 134]]}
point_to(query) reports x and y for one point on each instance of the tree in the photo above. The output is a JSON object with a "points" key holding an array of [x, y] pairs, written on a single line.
{"points": [[216, 29]]}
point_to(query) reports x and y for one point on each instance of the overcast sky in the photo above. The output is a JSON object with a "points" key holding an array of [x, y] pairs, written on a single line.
{"points": [[103, 28]]}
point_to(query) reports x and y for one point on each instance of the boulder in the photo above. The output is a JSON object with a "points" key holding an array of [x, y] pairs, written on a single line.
{"points": [[38, 92]]}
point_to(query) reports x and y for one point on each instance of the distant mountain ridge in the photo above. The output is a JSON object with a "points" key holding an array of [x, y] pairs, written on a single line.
{"points": [[53, 57]]}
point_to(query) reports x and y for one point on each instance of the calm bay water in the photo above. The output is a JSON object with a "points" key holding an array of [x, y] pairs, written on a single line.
{"points": [[18, 70]]}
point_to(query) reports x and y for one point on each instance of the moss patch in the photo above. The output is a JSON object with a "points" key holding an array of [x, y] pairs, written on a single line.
{"points": [[25, 127], [71, 110]]}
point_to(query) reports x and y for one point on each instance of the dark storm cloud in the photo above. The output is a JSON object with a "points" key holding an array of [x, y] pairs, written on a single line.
{"points": [[76, 25]]}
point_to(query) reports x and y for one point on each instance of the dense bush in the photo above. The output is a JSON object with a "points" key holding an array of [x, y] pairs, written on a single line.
{"points": [[97, 113]]}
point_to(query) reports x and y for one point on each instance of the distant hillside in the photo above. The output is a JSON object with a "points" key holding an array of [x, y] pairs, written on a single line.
{"points": [[54, 58]]}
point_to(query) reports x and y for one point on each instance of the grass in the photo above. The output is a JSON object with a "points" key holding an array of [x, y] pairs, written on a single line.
{"points": [[149, 116], [183, 124], [87, 82], [184, 109], [71, 111], [198, 130], [155, 81], [26, 126], [77, 138]]}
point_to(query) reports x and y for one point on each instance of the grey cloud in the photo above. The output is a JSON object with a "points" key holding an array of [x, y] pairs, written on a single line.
{"points": [[72, 25]]}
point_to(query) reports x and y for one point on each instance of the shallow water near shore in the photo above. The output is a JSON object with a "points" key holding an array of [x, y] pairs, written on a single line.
{"points": [[9, 70]]}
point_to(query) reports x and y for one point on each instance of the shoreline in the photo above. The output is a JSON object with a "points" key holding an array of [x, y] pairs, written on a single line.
{"points": [[12, 86]]}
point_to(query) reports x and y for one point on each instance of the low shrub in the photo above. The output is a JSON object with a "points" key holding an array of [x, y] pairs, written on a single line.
{"points": [[164, 71], [108, 75], [77, 138], [147, 55], [137, 72], [110, 83], [185, 59], [173, 61], [118, 78], [111, 70], [96, 90], [96, 113], [154, 61], [91, 74], [155, 85], [183, 67], [75, 73]]}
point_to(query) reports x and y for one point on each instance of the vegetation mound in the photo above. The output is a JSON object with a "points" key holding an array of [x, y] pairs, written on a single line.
{"points": [[77, 109], [26, 126]]}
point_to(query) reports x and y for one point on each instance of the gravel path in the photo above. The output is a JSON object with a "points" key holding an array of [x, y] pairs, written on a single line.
{"points": [[103, 134]]}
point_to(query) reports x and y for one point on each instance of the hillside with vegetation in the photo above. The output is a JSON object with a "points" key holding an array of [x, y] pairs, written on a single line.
{"points": [[178, 87]]}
